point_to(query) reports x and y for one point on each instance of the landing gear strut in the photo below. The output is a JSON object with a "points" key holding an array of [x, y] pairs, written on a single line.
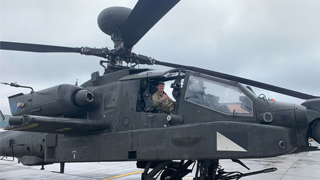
{"points": [[205, 170], [169, 170], [61, 168]]}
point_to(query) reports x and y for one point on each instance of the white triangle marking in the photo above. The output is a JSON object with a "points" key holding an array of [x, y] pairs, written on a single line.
{"points": [[225, 144]]}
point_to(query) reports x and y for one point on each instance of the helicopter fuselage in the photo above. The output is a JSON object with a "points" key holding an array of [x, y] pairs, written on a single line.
{"points": [[214, 119]]}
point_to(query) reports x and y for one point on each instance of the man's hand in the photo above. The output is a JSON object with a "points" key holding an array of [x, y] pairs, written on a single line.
{"points": [[164, 97]]}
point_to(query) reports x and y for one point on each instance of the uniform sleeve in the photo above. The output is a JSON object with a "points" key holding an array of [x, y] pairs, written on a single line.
{"points": [[156, 100]]}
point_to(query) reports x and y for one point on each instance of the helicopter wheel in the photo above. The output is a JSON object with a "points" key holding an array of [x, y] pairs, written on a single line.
{"points": [[167, 173]]}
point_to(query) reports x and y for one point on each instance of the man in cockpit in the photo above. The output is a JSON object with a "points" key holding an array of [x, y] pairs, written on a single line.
{"points": [[161, 100]]}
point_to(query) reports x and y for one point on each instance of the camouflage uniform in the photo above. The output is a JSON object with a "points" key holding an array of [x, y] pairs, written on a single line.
{"points": [[166, 105]]}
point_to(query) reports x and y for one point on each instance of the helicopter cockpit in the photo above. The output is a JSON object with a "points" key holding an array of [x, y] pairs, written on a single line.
{"points": [[223, 97], [148, 86]]}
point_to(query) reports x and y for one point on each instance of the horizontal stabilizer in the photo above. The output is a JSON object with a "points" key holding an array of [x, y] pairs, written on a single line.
{"points": [[54, 124]]}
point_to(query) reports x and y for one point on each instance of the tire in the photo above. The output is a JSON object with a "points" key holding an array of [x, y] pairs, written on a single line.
{"points": [[167, 174]]}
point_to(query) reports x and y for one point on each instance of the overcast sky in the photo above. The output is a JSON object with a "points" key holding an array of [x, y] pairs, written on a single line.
{"points": [[275, 42]]}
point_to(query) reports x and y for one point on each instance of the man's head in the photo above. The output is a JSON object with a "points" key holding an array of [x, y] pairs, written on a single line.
{"points": [[160, 86]]}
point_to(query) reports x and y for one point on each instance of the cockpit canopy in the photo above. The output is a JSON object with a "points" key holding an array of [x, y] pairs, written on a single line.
{"points": [[218, 96]]}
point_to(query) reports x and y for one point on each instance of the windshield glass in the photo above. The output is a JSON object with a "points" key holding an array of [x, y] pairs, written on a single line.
{"points": [[218, 96]]}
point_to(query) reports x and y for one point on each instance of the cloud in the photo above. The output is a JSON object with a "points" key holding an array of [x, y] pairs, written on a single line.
{"points": [[268, 41]]}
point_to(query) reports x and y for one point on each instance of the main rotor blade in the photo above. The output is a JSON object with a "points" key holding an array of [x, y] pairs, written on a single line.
{"points": [[242, 80], [15, 46], [142, 18]]}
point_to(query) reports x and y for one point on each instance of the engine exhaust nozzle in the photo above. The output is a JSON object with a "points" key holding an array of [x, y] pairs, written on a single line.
{"points": [[83, 98]]}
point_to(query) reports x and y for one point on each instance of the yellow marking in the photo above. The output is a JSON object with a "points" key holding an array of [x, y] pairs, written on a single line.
{"points": [[25, 127], [136, 172], [63, 129]]}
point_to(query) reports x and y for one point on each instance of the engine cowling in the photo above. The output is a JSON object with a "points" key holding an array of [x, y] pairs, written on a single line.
{"points": [[67, 100]]}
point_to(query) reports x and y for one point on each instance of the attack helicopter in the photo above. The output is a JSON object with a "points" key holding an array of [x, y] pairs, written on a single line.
{"points": [[111, 117]]}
